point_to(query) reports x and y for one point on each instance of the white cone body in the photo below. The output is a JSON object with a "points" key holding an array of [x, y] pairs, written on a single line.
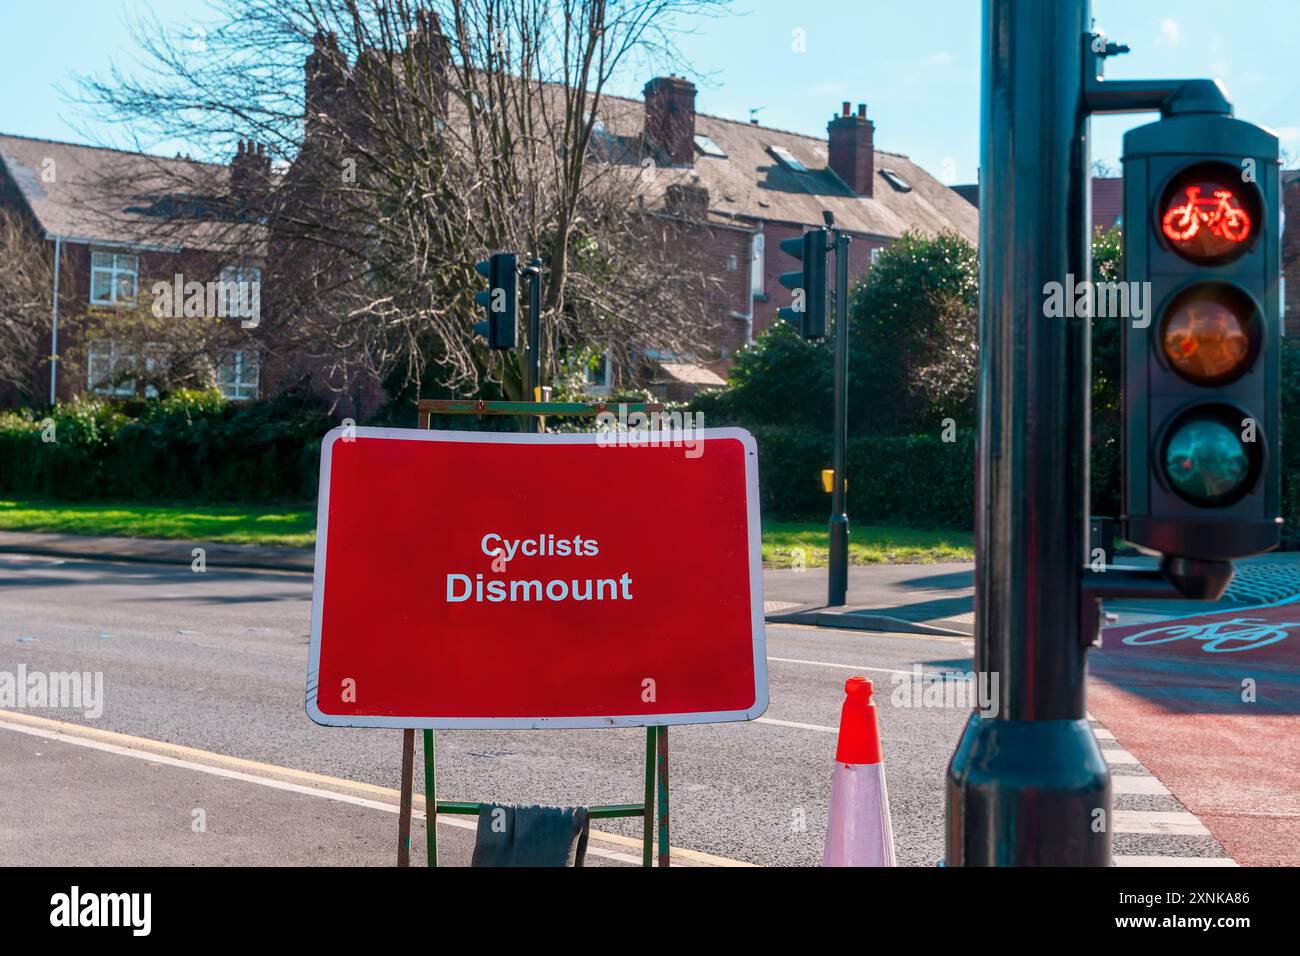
{"points": [[857, 830]]}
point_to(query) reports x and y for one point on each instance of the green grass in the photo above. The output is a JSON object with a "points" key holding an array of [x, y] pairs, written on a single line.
{"points": [[296, 527], [232, 524], [868, 544]]}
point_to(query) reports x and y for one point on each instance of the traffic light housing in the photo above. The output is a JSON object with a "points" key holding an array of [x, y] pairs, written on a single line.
{"points": [[500, 299], [1202, 417], [808, 314]]}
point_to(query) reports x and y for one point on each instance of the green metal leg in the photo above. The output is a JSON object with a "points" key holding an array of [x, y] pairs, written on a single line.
{"points": [[404, 805], [430, 801], [663, 796], [648, 833]]}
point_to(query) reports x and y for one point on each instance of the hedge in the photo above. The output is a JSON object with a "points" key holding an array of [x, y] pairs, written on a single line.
{"points": [[192, 446], [917, 480]]}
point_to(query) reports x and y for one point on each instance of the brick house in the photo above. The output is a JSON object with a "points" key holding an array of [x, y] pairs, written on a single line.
{"points": [[756, 186], [113, 244], [731, 190]]}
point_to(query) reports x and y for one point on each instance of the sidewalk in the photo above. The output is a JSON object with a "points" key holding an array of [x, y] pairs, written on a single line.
{"points": [[939, 598], [157, 551]]}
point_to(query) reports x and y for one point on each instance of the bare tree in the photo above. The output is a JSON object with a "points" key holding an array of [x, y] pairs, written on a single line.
{"points": [[26, 300], [425, 136]]}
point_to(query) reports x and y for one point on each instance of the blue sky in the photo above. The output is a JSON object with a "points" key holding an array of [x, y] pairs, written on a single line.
{"points": [[915, 63]]}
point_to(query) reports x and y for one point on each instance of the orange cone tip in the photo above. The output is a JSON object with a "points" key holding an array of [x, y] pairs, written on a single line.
{"points": [[859, 740]]}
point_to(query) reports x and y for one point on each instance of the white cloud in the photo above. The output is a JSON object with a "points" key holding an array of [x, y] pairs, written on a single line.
{"points": [[1171, 34], [1289, 133], [942, 58]]}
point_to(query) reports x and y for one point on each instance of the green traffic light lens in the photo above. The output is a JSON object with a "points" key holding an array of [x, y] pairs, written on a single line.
{"points": [[1206, 460]]}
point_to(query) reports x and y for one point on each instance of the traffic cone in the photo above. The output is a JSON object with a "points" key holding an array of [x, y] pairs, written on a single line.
{"points": [[857, 830]]}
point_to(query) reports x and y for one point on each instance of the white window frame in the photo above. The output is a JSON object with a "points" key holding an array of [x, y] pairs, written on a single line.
{"points": [[240, 388], [757, 265], [115, 357], [875, 254], [119, 265]]}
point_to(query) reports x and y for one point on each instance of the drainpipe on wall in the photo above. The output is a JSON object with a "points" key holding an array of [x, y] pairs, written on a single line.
{"points": [[749, 297], [54, 324]]}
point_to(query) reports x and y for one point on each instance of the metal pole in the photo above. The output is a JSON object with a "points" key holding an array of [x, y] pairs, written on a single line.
{"points": [[838, 572], [1027, 784], [663, 797], [54, 324], [404, 802], [430, 802], [648, 834], [534, 273]]}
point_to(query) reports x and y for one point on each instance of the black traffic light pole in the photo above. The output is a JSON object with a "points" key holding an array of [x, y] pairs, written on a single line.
{"points": [[1027, 779], [1027, 784], [838, 572]]}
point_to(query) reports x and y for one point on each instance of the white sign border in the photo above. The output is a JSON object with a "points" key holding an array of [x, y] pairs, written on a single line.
{"points": [[498, 723]]}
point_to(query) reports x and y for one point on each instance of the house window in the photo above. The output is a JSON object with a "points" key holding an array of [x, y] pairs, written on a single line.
{"points": [[787, 159], [756, 265], [895, 180], [875, 254], [114, 278], [237, 374], [708, 147], [241, 291], [107, 367]]}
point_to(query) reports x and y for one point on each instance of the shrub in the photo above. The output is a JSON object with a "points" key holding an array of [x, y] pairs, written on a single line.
{"points": [[192, 445]]}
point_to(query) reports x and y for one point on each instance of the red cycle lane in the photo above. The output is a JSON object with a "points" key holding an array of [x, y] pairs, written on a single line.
{"points": [[1211, 706]]}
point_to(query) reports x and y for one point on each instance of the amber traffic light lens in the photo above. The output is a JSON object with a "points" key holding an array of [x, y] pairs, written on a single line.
{"points": [[1209, 215], [1210, 334]]}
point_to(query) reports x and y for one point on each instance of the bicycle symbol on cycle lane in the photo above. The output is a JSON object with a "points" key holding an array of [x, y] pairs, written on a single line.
{"points": [[1217, 637]]}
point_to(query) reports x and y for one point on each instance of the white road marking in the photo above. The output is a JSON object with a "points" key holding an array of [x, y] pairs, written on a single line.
{"points": [[841, 666], [1168, 822], [1174, 861], [1101, 733], [1133, 783], [792, 723], [1118, 755]]}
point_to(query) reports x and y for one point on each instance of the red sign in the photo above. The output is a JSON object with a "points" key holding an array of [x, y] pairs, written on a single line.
{"points": [[474, 579]]}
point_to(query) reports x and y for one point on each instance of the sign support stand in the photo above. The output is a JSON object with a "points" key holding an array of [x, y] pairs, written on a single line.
{"points": [[656, 750]]}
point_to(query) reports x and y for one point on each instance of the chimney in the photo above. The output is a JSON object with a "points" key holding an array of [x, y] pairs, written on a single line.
{"points": [[326, 80], [687, 201], [670, 117], [250, 175], [852, 149], [431, 51]]}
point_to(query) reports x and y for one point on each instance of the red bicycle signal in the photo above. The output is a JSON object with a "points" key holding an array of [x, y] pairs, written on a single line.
{"points": [[1217, 214]]}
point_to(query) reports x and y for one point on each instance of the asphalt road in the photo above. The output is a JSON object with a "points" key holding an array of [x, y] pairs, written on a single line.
{"points": [[217, 661]]}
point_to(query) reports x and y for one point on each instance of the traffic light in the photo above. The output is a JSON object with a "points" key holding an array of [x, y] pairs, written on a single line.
{"points": [[808, 313], [1202, 419], [500, 299]]}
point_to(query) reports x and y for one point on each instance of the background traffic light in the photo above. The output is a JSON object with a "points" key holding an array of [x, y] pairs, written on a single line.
{"points": [[808, 314], [500, 299], [1201, 376]]}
